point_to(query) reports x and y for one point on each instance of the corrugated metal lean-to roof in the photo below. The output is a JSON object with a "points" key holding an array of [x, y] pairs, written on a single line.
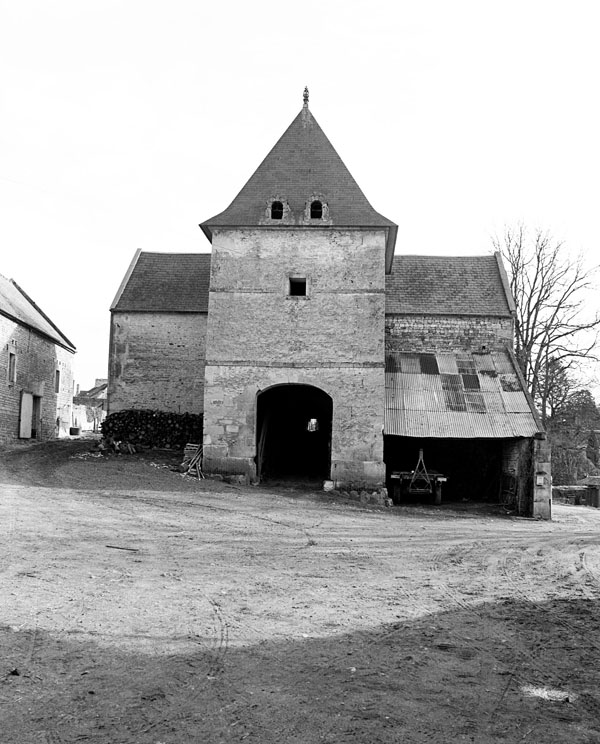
{"points": [[458, 396]]}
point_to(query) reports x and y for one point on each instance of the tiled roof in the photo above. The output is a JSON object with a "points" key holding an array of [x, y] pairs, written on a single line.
{"points": [[458, 396], [17, 305], [590, 480], [448, 285], [98, 391], [165, 282], [302, 165]]}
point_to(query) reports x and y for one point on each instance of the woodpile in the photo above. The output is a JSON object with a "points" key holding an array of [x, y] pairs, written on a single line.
{"points": [[152, 429]]}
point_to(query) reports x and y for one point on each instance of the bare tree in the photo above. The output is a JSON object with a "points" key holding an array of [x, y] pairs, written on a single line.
{"points": [[572, 428], [558, 385], [554, 329]]}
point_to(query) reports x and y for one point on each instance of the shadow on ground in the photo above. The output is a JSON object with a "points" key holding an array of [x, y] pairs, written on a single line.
{"points": [[505, 672]]}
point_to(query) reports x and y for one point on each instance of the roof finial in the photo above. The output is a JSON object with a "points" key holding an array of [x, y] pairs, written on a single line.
{"points": [[305, 96]]}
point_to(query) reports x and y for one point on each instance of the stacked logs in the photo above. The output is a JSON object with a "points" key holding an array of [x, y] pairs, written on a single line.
{"points": [[153, 429]]}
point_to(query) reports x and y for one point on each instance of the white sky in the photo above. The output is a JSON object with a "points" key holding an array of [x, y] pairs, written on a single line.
{"points": [[125, 123]]}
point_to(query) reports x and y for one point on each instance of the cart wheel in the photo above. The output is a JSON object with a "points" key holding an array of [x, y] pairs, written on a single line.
{"points": [[438, 494], [397, 493]]}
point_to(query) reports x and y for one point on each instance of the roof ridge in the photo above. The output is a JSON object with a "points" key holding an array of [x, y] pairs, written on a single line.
{"points": [[174, 253], [67, 343]]}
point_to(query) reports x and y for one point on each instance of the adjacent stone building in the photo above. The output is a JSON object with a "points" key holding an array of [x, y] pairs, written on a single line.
{"points": [[36, 378], [158, 334], [314, 353]]}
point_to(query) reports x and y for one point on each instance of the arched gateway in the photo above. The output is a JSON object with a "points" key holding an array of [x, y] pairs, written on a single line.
{"points": [[293, 433]]}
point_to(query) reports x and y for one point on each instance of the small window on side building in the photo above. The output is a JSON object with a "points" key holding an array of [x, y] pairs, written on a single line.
{"points": [[12, 367], [57, 381], [297, 286]]}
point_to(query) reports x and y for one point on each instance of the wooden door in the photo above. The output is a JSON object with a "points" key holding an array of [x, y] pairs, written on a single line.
{"points": [[26, 415]]}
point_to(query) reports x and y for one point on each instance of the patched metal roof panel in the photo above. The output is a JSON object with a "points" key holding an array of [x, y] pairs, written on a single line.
{"points": [[447, 364], [489, 383], [485, 363], [482, 397], [493, 401], [515, 402], [409, 363], [503, 364]]}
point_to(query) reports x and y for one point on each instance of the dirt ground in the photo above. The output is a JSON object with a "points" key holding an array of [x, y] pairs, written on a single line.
{"points": [[139, 606]]}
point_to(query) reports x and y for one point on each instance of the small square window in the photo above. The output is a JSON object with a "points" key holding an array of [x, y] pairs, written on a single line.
{"points": [[297, 286]]}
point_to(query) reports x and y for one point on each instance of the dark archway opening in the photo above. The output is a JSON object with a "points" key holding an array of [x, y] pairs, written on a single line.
{"points": [[293, 435], [473, 467]]}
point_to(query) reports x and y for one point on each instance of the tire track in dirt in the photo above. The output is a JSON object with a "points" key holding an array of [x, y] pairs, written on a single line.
{"points": [[490, 663], [190, 683], [514, 563], [53, 738], [9, 523], [593, 575], [454, 600], [183, 693], [200, 682]]}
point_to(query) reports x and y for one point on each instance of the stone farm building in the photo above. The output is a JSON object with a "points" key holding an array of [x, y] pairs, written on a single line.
{"points": [[36, 389], [315, 353]]}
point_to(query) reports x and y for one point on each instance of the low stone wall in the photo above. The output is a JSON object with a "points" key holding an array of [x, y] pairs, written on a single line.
{"points": [[577, 495], [378, 497]]}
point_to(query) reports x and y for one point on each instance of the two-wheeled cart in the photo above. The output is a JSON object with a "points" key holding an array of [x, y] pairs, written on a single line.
{"points": [[417, 481]]}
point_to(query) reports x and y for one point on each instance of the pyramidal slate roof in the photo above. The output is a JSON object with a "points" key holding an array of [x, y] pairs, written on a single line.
{"points": [[448, 285], [19, 307], [301, 167], [165, 282]]}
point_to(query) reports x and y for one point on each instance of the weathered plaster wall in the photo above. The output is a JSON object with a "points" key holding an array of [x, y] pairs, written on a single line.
{"points": [[419, 333], [260, 336], [340, 319], [156, 361], [37, 360]]}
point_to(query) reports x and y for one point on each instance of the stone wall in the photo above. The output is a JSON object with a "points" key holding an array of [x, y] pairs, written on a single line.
{"points": [[517, 484], [37, 361], [420, 333], [156, 361], [332, 338], [527, 482], [542, 484], [358, 403]]}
